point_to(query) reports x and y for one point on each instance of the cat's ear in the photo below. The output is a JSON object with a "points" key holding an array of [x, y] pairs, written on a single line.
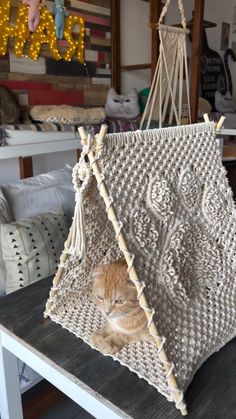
{"points": [[133, 94], [111, 93], [97, 272]]}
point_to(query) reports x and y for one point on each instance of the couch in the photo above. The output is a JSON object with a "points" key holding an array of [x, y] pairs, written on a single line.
{"points": [[35, 215]]}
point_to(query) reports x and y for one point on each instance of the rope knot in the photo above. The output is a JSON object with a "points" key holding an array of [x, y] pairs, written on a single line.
{"points": [[87, 143], [83, 170]]}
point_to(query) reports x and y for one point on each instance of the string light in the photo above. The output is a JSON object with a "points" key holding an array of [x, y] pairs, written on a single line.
{"points": [[4, 25], [44, 34], [76, 46], [19, 31]]}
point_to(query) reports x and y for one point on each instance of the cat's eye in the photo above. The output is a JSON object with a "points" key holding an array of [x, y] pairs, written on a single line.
{"points": [[119, 301], [100, 297]]}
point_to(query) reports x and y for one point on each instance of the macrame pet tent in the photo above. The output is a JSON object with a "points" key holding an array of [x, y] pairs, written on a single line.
{"points": [[166, 93], [166, 205]]}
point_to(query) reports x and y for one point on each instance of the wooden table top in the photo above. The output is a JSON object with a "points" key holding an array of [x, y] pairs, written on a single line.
{"points": [[210, 396]]}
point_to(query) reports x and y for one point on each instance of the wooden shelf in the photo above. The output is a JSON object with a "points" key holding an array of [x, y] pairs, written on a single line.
{"points": [[131, 67], [25, 150]]}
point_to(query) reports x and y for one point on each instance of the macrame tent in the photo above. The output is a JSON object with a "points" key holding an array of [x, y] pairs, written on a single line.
{"points": [[166, 93], [165, 204]]}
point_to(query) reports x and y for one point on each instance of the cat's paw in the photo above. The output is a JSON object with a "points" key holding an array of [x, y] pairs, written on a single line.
{"points": [[96, 339], [109, 348]]}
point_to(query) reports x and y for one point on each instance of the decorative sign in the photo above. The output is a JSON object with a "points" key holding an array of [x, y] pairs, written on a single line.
{"points": [[44, 34]]}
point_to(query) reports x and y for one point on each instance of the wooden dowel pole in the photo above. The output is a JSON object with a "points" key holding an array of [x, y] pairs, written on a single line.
{"points": [[101, 135], [63, 258], [206, 117], [59, 273], [133, 274], [220, 123]]}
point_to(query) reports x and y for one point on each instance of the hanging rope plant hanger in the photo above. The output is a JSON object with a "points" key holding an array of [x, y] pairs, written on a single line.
{"points": [[166, 93]]}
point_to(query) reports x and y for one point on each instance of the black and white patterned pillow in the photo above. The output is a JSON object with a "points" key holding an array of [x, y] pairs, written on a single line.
{"points": [[5, 217], [31, 248]]}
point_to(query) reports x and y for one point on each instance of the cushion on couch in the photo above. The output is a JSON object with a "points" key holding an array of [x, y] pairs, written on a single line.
{"points": [[5, 217], [42, 193], [27, 198], [31, 248]]}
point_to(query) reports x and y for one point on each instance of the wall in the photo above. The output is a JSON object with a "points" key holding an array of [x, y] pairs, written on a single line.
{"points": [[68, 82], [215, 11], [136, 38], [135, 43], [9, 169]]}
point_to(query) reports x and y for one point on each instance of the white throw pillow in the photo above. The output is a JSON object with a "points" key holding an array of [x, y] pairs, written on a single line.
{"points": [[5, 217], [31, 248], [42, 193]]}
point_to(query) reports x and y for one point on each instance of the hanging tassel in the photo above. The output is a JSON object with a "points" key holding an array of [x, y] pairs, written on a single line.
{"points": [[81, 173], [78, 241], [77, 244]]}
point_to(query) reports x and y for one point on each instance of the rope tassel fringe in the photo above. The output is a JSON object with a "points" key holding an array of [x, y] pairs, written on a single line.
{"points": [[78, 241]]}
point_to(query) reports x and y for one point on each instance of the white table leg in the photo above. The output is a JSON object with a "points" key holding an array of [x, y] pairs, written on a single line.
{"points": [[10, 397]]}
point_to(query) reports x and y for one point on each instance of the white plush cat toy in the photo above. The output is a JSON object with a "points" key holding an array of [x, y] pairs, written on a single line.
{"points": [[122, 106]]}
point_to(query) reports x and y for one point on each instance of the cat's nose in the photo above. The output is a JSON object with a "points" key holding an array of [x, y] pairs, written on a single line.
{"points": [[107, 312]]}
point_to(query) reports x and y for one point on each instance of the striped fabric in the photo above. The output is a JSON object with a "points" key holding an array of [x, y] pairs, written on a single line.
{"points": [[46, 127], [114, 125], [123, 125]]}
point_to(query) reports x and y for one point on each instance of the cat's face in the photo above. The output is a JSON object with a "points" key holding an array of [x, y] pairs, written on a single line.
{"points": [[112, 291], [121, 106]]}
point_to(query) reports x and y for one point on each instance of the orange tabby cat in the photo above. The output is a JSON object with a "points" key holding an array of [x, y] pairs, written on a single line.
{"points": [[116, 297]]}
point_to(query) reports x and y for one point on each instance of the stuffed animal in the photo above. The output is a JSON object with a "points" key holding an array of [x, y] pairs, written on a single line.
{"points": [[59, 12], [122, 106], [34, 13]]}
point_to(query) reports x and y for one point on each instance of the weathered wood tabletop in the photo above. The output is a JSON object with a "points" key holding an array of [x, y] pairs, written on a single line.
{"points": [[212, 394]]}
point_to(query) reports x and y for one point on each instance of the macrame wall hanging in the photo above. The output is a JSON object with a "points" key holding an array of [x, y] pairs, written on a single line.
{"points": [[165, 101], [161, 199]]}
